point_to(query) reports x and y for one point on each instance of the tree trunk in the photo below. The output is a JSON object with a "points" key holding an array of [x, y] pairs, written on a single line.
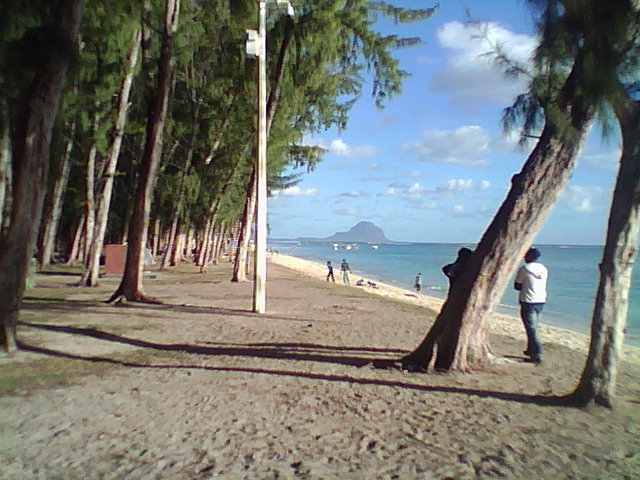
{"points": [[89, 205], [31, 142], [459, 328], [170, 245], [240, 266], [204, 243], [74, 251], [91, 273], [156, 237], [176, 251], [59, 188], [598, 381], [131, 285], [5, 160], [220, 245]]}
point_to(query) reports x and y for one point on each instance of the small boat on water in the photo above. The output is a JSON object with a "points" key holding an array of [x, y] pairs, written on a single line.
{"points": [[375, 247]]}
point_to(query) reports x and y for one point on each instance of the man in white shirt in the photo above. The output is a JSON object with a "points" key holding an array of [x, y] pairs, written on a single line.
{"points": [[531, 281]]}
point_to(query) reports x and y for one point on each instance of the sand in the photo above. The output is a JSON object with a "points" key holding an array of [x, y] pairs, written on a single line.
{"points": [[200, 388], [500, 324]]}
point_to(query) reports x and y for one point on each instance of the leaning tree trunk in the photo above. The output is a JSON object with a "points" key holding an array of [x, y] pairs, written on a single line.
{"points": [[131, 284], [240, 266], [59, 188], [91, 273], [31, 141], [598, 381], [459, 330]]}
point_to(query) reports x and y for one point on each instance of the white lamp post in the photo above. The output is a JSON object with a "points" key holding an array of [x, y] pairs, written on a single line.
{"points": [[257, 46]]}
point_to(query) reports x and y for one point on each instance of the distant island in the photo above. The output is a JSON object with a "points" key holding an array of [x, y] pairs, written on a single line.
{"points": [[362, 232]]}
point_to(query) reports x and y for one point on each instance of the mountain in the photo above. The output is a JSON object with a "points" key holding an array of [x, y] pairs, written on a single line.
{"points": [[365, 232]]}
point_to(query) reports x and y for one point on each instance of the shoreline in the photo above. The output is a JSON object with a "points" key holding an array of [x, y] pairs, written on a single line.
{"points": [[501, 324]]}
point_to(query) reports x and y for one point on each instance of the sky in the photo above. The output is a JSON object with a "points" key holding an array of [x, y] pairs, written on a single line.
{"points": [[434, 165]]}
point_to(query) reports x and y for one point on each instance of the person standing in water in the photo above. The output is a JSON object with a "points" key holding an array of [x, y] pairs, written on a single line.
{"points": [[418, 284], [330, 272], [344, 268], [531, 282]]}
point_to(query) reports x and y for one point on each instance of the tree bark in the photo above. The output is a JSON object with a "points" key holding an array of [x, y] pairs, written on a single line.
{"points": [[89, 205], [59, 188], [171, 241], [204, 243], [31, 142], [91, 273], [598, 380], [74, 251], [156, 237], [459, 328], [5, 160], [240, 266], [131, 285], [220, 245], [176, 251]]}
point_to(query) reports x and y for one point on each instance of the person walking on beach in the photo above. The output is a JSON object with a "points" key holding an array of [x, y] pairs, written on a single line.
{"points": [[531, 282], [330, 273], [453, 270], [344, 268], [418, 283]]}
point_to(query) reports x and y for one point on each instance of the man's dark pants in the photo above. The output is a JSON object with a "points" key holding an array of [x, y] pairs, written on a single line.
{"points": [[530, 313]]}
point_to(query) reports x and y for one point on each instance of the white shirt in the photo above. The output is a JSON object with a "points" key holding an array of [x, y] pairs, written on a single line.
{"points": [[533, 278]]}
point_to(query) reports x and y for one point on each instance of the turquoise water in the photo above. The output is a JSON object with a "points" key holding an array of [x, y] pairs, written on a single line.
{"points": [[573, 276]]}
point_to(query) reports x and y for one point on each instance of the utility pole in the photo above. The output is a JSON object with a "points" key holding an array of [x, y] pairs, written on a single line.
{"points": [[260, 269]]}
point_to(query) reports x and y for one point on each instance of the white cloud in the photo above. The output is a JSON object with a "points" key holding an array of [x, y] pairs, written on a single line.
{"points": [[295, 191], [485, 184], [465, 145], [470, 73], [582, 199], [604, 160], [346, 212], [458, 184], [340, 148], [354, 194]]}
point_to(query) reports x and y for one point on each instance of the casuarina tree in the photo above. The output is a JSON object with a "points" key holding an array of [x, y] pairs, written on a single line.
{"points": [[564, 94]]}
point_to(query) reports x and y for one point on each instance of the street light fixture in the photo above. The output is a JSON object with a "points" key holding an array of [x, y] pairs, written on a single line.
{"points": [[257, 46]]}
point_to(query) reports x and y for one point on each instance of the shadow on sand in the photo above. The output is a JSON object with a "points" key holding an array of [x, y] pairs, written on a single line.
{"points": [[286, 351]]}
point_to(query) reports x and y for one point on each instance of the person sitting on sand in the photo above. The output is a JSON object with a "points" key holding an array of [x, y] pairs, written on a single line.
{"points": [[418, 283], [330, 273], [360, 283], [372, 284], [344, 267], [531, 282], [453, 270]]}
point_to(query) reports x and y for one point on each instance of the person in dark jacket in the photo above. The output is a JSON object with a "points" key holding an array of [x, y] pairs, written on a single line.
{"points": [[453, 270]]}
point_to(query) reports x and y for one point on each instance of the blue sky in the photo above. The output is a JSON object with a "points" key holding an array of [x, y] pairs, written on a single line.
{"points": [[434, 164]]}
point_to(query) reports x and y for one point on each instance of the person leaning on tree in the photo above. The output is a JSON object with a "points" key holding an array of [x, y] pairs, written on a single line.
{"points": [[531, 282]]}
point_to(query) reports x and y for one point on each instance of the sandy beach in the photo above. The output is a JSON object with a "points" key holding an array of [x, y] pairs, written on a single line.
{"points": [[201, 388], [500, 324]]}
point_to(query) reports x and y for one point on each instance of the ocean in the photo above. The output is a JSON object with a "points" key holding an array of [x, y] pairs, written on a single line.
{"points": [[573, 276]]}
